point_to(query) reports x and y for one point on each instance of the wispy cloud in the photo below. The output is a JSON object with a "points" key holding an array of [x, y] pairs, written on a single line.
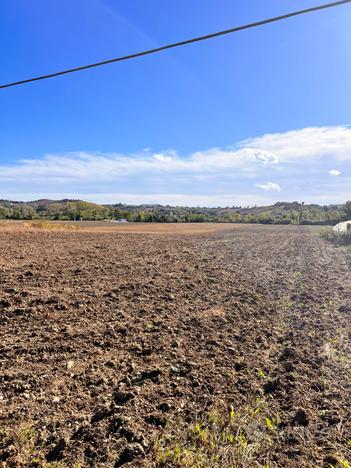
{"points": [[85, 166], [269, 186], [297, 161]]}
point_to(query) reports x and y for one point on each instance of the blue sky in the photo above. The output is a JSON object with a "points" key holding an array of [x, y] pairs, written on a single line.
{"points": [[251, 118]]}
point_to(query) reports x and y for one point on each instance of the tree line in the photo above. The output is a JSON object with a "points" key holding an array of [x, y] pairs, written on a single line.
{"points": [[75, 210]]}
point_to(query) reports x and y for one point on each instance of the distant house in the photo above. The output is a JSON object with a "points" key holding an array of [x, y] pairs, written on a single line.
{"points": [[343, 228], [122, 220]]}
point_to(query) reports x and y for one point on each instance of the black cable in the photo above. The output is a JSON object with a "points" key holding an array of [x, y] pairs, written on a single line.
{"points": [[181, 43]]}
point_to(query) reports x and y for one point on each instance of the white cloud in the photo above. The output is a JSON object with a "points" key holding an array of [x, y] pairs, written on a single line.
{"points": [[294, 158], [249, 157], [334, 173], [82, 166], [162, 158], [269, 186], [306, 143]]}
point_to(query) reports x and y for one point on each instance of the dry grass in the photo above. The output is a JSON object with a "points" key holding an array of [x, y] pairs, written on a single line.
{"points": [[123, 228], [36, 225], [156, 228], [341, 238]]}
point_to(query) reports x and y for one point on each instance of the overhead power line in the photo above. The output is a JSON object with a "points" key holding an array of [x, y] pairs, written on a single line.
{"points": [[181, 43]]}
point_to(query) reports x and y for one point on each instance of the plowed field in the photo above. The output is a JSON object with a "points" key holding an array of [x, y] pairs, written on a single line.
{"points": [[222, 347]]}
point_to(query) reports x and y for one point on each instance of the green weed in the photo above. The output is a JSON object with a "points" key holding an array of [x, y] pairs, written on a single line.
{"points": [[222, 439]]}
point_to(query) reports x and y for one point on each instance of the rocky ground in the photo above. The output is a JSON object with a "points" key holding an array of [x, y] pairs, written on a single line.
{"points": [[225, 348]]}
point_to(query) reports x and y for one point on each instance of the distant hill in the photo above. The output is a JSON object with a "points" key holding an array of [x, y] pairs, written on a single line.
{"points": [[279, 213]]}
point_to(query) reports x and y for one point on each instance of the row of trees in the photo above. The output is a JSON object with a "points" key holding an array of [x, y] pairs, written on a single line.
{"points": [[65, 211], [280, 213]]}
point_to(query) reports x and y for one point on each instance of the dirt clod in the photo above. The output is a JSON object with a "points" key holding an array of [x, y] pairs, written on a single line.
{"points": [[130, 453]]}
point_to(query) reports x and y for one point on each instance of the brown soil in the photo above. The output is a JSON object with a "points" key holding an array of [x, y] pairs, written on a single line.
{"points": [[126, 228], [113, 346], [156, 228]]}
